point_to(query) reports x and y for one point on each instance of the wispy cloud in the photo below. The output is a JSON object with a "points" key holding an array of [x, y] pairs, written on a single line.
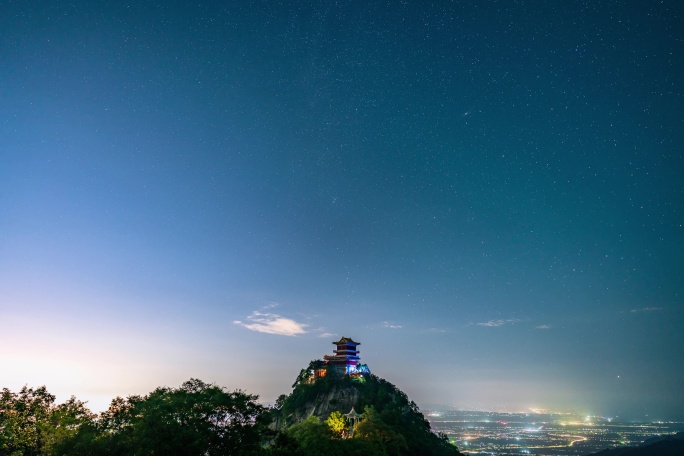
{"points": [[326, 335], [437, 330], [390, 325], [497, 323], [271, 323], [543, 326], [646, 309]]}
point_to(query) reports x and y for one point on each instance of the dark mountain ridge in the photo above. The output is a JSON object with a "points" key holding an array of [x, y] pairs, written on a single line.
{"points": [[666, 445], [382, 405], [336, 407]]}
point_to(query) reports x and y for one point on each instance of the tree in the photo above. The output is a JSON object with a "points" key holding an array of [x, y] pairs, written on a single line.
{"points": [[70, 429], [337, 423], [23, 420], [280, 401], [314, 437], [374, 429], [284, 445], [305, 375], [195, 419]]}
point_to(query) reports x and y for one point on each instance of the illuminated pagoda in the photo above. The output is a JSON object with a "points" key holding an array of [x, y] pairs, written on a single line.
{"points": [[345, 361]]}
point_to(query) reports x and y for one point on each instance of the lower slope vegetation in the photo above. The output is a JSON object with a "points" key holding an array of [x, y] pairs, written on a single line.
{"points": [[202, 419], [390, 424]]}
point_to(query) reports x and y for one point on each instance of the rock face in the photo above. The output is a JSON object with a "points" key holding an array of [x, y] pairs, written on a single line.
{"points": [[323, 396], [390, 421], [320, 400], [341, 398]]}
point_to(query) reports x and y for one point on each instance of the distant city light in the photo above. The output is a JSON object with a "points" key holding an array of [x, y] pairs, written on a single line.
{"points": [[481, 432]]}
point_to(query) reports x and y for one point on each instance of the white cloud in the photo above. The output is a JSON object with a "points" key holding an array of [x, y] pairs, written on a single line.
{"points": [[497, 323], [646, 309], [390, 325], [270, 323], [543, 326], [325, 335]]}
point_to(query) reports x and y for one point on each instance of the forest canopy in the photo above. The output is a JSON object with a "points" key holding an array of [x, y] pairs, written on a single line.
{"points": [[195, 419], [198, 418]]}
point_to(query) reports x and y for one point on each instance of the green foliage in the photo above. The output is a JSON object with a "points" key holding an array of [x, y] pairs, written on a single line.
{"points": [[316, 439], [305, 393], [305, 375], [280, 401], [70, 429], [391, 424], [375, 430], [203, 419], [313, 436], [195, 419], [24, 417], [337, 423], [393, 408], [284, 445]]}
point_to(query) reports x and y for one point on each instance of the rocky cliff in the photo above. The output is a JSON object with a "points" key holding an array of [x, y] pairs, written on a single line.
{"points": [[339, 397], [388, 414]]}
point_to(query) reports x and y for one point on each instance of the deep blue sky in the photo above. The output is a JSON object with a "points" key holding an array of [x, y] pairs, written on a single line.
{"points": [[488, 195]]}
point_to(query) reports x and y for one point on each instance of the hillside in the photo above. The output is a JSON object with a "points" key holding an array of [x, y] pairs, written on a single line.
{"points": [[389, 421], [200, 419], [670, 445], [336, 407]]}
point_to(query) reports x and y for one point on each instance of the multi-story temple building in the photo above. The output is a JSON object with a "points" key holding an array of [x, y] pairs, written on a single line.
{"points": [[345, 361]]}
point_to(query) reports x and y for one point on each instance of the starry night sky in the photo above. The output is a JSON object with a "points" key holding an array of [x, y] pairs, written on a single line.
{"points": [[489, 196]]}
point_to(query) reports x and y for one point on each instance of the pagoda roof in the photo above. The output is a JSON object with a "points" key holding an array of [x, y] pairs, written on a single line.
{"points": [[352, 414], [346, 340]]}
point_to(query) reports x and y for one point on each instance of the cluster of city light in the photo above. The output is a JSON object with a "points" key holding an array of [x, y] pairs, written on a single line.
{"points": [[520, 433]]}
